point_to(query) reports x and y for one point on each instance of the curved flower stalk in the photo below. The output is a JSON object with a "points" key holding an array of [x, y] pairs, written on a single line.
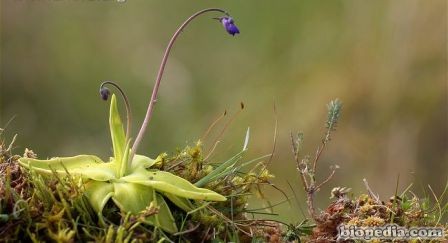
{"points": [[128, 179], [230, 29]]}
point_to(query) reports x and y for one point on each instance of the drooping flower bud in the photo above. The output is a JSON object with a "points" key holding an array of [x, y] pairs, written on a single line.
{"points": [[229, 25], [104, 92]]}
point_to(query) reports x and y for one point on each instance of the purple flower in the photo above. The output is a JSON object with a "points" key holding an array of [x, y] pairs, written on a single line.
{"points": [[228, 24]]}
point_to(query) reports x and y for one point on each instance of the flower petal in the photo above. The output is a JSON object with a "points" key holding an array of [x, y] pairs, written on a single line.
{"points": [[229, 25]]}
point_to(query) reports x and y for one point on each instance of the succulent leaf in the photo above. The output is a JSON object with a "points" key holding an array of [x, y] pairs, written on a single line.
{"points": [[164, 219], [141, 161], [135, 198], [131, 197], [116, 130], [99, 172], [166, 182], [61, 165], [98, 193], [123, 165], [181, 202]]}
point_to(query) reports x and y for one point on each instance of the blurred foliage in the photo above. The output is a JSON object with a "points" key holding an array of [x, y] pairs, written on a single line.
{"points": [[386, 60]]}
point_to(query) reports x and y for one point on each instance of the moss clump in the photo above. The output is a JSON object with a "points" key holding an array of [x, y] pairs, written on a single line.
{"points": [[217, 220], [366, 211]]}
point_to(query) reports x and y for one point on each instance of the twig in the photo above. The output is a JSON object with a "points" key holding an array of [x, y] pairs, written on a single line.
{"points": [[437, 203], [275, 136], [295, 151], [231, 119], [205, 234], [319, 151], [228, 220], [326, 180], [175, 165], [296, 199], [305, 172], [395, 199], [371, 193], [12, 143], [308, 186], [214, 123], [187, 231], [212, 150]]}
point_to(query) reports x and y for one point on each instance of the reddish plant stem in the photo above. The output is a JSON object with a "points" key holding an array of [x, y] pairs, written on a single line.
{"points": [[155, 90]]}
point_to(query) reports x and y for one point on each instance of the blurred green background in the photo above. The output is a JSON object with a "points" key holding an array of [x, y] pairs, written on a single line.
{"points": [[386, 61]]}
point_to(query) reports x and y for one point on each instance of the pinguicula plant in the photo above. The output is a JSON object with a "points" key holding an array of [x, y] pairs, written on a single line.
{"points": [[129, 179]]}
